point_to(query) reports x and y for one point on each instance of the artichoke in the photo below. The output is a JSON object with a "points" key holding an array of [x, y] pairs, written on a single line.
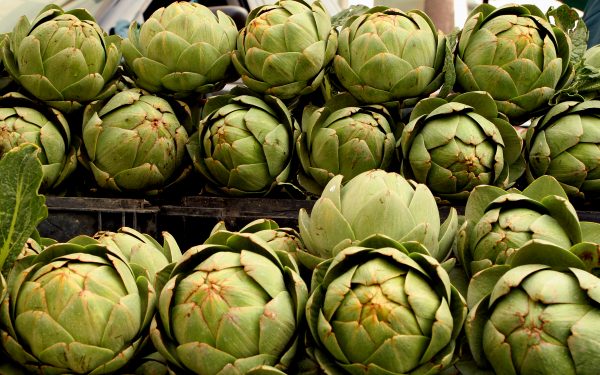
{"points": [[453, 146], [285, 48], [381, 307], [22, 120], [388, 55], [62, 58], [75, 308], [537, 318], [141, 250], [498, 223], [565, 144], [516, 55], [235, 301], [183, 49], [343, 138], [280, 239], [135, 141], [374, 202], [151, 364], [245, 145]]}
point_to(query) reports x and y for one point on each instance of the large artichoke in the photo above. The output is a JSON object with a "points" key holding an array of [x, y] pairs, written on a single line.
{"points": [[135, 141], [233, 305], [537, 318], [182, 49], [565, 144], [390, 55], [453, 146], [498, 222], [75, 308], [245, 144], [22, 120], [285, 48], [343, 138], [378, 309], [62, 58], [374, 202], [516, 55]]}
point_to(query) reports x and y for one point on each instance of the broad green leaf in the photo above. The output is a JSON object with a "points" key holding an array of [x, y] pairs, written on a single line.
{"points": [[21, 207]]}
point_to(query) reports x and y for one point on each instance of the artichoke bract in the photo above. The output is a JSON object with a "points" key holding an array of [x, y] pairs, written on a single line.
{"points": [[538, 318], [516, 55], [182, 49], [498, 222], [135, 142], [75, 308], [380, 308], [62, 58], [343, 138], [389, 55], [232, 305], [245, 144], [24, 121], [284, 48], [453, 146], [565, 144], [374, 202]]}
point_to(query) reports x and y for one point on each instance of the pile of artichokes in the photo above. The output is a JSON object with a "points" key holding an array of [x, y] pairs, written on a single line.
{"points": [[376, 115]]}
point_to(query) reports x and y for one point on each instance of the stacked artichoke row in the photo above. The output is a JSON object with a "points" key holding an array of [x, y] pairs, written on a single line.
{"points": [[369, 284], [380, 118], [307, 98]]}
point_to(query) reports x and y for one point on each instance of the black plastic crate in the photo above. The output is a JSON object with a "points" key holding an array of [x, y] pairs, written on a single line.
{"points": [[72, 216]]}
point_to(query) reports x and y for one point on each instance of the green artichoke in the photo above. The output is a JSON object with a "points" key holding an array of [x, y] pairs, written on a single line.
{"points": [[24, 121], [141, 250], [183, 49], [5, 79], [280, 239], [135, 141], [498, 222], [62, 58], [245, 145], [374, 202], [234, 301], [389, 55], [285, 48], [538, 318], [453, 146], [516, 55], [75, 308], [565, 144], [381, 307], [343, 138]]}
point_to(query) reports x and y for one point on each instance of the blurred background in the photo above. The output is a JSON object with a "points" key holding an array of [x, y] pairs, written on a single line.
{"points": [[112, 14]]}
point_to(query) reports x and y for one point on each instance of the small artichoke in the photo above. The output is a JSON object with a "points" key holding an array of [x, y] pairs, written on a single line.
{"points": [[285, 48], [565, 144], [182, 49], [245, 144], [62, 58], [374, 202], [343, 138], [498, 222], [382, 308], [234, 301], [141, 250], [516, 55], [135, 142], [537, 318], [75, 308], [23, 120], [453, 146], [388, 55]]}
